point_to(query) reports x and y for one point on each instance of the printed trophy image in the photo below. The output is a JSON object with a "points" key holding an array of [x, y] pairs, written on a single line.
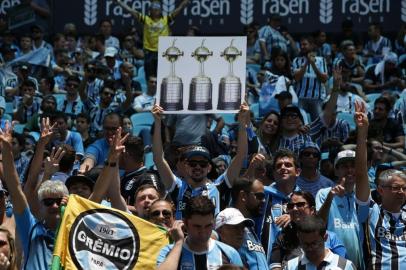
{"points": [[201, 86], [172, 86], [230, 85]]}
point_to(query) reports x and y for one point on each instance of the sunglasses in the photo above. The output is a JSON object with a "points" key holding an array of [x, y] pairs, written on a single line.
{"points": [[110, 128], [201, 164], [311, 154], [299, 205], [165, 213], [51, 201]]}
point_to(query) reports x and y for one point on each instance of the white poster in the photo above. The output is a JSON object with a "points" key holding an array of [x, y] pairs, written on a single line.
{"points": [[201, 74]]}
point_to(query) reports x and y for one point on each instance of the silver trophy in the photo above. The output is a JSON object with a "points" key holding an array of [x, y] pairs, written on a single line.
{"points": [[230, 85], [201, 86], [172, 86]]}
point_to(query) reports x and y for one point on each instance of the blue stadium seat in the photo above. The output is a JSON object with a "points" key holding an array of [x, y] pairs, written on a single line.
{"points": [[349, 117], [141, 79], [35, 135], [228, 118], [371, 99], [255, 109], [149, 160], [19, 128], [9, 108], [140, 121]]}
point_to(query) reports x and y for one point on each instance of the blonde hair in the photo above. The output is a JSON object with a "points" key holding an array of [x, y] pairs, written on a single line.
{"points": [[11, 243], [52, 188]]}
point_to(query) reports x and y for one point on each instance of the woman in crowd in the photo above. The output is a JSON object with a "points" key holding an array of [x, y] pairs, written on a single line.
{"points": [[7, 250], [286, 246], [268, 133]]}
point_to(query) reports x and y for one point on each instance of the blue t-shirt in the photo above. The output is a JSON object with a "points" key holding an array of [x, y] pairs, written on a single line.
{"points": [[75, 140], [217, 254], [36, 240], [98, 151], [251, 251], [314, 186], [344, 219]]}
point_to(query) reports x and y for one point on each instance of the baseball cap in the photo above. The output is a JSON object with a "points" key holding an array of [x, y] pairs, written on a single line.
{"points": [[79, 178], [309, 145], [292, 108], [232, 216], [110, 52], [197, 151], [344, 156], [155, 5]]}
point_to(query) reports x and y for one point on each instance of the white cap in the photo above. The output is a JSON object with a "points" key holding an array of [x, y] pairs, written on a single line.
{"points": [[110, 52], [344, 155], [232, 216]]}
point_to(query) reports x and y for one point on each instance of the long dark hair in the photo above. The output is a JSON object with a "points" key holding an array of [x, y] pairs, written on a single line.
{"points": [[286, 70]]}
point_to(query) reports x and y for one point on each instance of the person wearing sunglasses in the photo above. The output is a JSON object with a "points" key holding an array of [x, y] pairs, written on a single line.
{"points": [[162, 212], [249, 198], [310, 178], [37, 236], [287, 245], [197, 166]]}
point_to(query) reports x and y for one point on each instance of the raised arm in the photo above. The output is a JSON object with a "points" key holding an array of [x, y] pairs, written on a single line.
{"points": [[332, 102], [109, 171], [233, 171], [32, 183], [164, 170], [176, 12], [361, 169], [133, 12], [18, 198]]}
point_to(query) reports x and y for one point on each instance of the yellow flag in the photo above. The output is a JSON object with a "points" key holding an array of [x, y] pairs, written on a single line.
{"points": [[92, 236]]}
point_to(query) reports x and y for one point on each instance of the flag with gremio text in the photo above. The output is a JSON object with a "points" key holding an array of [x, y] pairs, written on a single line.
{"points": [[92, 236]]}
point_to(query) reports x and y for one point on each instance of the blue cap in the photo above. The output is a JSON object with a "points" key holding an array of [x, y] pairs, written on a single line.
{"points": [[155, 5], [197, 151], [310, 145]]}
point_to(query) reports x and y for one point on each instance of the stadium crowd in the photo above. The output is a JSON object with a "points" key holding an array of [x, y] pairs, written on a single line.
{"points": [[309, 174]]}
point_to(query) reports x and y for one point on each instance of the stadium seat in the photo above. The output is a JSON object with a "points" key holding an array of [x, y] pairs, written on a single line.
{"points": [[141, 79], [372, 98], [255, 109], [228, 118], [19, 128], [35, 135], [349, 117], [149, 160], [140, 121], [9, 108]]}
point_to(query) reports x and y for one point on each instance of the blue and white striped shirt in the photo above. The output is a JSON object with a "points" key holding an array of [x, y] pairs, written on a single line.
{"points": [[217, 255], [294, 143], [310, 86], [331, 261], [385, 237], [320, 132]]}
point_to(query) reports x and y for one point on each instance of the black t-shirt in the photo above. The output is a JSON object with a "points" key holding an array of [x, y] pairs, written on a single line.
{"points": [[388, 134]]}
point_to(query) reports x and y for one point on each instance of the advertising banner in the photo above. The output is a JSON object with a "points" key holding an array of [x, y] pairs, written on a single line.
{"points": [[219, 17], [201, 74]]}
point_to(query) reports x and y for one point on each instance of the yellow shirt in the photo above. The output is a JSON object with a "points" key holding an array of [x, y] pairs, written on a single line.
{"points": [[154, 29]]}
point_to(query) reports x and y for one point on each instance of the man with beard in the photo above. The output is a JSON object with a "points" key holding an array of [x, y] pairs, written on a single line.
{"points": [[386, 222], [91, 85], [310, 74], [48, 106], [340, 209], [249, 198], [71, 105], [198, 166]]}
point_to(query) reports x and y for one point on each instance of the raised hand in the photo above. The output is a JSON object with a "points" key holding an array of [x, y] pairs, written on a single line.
{"points": [[176, 232], [360, 117], [6, 135], [51, 163], [4, 262], [46, 130], [337, 77], [157, 112], [339, 189], [244, 116], [118, 146]]}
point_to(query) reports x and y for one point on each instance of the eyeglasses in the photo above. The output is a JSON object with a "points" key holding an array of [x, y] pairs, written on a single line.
{"points": [[195, 163], [311, 154], [299, 205], [165, 213], [258, 195], [396, 188], [51, 201], [290, 115]]}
